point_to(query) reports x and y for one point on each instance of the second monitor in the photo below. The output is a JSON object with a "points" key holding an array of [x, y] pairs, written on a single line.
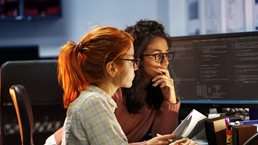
{"points": [[217, 68]]}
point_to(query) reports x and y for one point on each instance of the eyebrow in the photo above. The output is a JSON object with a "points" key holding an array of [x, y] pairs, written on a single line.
{"points": [[158, 50]]}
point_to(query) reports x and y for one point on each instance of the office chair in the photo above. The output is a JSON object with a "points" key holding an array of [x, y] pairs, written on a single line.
{"points": [[39, 77], [21, 102], [253, 140]]}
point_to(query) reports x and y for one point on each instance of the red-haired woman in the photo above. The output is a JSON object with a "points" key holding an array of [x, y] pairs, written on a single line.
{"points": [[90, 72]]}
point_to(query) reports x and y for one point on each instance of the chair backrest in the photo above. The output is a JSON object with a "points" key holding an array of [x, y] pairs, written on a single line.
{"points": [[39, 77], [23, 109]]}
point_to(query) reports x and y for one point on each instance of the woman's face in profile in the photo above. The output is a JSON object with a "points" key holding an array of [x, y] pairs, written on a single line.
{"points": [[126, 73], [152, 65]]}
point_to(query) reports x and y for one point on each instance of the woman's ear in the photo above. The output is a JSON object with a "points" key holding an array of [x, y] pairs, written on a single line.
{"points": [[111, 69]]}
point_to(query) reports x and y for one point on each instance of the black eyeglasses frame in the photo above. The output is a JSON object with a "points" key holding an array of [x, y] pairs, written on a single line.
{"points": [[136, 62], [159, 57]]}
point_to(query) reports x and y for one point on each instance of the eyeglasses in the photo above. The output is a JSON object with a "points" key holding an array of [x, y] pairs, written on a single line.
{"points": [[159, 57], [136, 62]]}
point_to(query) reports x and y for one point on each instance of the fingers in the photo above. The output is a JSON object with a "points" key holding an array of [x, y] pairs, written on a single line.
{"points": [[157, 142], [184, 141], [164, 71], [180, 141], [166, 84], [166, 136], [160, 139], [162, 80], [164, 140]]}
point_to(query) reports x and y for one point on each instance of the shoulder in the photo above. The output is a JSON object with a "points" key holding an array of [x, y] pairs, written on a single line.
{"points": [[86, 100], [92, 99]]}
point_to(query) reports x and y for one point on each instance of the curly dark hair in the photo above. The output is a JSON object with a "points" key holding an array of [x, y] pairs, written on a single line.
{"points": [[144, 31]]}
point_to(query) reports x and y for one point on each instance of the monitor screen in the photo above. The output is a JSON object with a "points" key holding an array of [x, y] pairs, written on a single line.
{"points": [[8, 53], [217, 68]]}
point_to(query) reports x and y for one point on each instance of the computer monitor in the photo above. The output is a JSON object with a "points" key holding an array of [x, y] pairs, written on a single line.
{"points": [[217, 69], [23, 52]]}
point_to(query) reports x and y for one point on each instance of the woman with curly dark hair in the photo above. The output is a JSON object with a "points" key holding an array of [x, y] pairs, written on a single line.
{"points": [[150, 106]]}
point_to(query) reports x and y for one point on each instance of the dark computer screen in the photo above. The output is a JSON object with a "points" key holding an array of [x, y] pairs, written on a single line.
{"points": [[217, 68], [8, 53]]}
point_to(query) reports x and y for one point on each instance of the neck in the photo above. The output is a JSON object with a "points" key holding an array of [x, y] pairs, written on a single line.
{"points": [[108, 87]]}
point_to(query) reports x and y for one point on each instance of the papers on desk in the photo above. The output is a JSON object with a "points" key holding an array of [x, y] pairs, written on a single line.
{"points": [[192, 126]]}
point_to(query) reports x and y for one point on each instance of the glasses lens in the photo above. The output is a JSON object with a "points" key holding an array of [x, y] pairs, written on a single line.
{"points": [[160, 57], [135, 62]]}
